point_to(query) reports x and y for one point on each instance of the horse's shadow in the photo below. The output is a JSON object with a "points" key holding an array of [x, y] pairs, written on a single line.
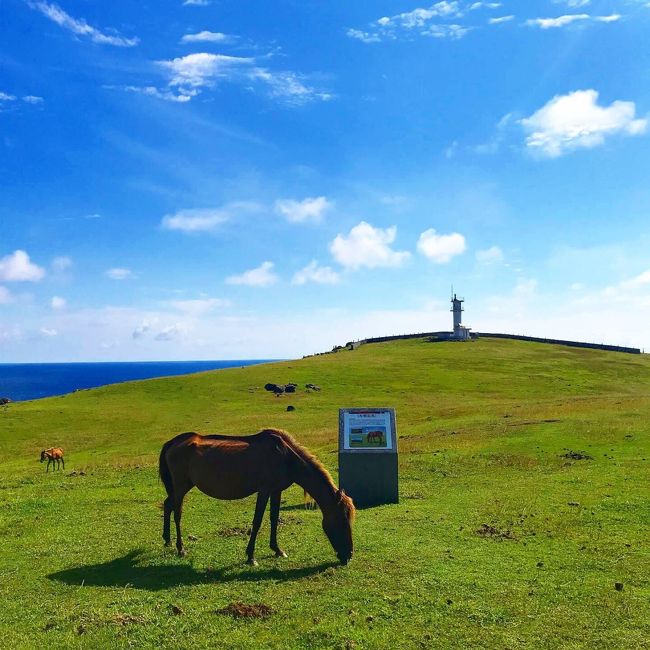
{"points": [[129, 570]]}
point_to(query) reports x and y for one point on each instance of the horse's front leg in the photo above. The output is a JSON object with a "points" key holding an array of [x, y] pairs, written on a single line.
{"points": [[275, 515], [260, 507], [49, 462]]}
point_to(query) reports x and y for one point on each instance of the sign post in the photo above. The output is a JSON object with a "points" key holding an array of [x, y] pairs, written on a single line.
{"points": [[368, 469]]}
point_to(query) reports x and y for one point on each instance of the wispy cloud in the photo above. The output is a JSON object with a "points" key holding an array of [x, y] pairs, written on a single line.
{"points": [[262, 276], [206, 36], [492, 255], [440, 20], [500, 20], [576, 121], [5, 97], [569, 19], [313, 272], [309, 209], [206, 219], [119, 274], [196, 3], [79, 27], [190, 75], [32, 99], [367, 246]]}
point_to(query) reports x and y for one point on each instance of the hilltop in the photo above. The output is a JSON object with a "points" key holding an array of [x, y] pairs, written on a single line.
{"points": [[502, 537]]}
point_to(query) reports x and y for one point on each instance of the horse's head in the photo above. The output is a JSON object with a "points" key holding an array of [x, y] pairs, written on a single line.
{"points": [[43, 456], [337, 525]]}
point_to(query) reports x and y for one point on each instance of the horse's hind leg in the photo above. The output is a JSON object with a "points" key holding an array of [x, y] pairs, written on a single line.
{"points": [[260, 507], [168, 506], [275, 515], [63, 462], [179, 495]]}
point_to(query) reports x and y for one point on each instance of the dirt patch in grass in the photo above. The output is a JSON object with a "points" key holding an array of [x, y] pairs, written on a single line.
{"points": [[126, 619], [244, 610], [234, 531], [576, 455], [485, 530]]}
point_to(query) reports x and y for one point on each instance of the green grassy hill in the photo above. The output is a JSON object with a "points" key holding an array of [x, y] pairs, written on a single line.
{"points": [[500, 540]]}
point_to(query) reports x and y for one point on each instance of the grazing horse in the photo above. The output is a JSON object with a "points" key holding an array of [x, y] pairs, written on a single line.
{"points": [[234, 467], [53, 455]]}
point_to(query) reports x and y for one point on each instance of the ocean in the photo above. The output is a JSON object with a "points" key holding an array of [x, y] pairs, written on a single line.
{"points": [[26, 381]]}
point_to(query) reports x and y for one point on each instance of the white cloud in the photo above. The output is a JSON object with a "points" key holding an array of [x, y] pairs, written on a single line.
{"points": [[17, 267], [207, 37], [32, 99], [169, 96], [201, 69], [61, 264], [189, 75], [367, 246], [315, 273], [490, 255], [57, 302], [309, 209], [48, 332], [441, 248], [262, 276], [576, 120], [196, 3], [206, 219], [80, 27], [563, 21], [5, 296], [195, 220], [119, 274], [560, 21], [364, 37], [4, 97], [500, 19], [446, 31], [573, 3], [425, 21], [420, 17]]}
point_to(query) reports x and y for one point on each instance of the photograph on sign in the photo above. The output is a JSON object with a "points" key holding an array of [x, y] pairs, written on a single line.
{"points": [[370, 429]]}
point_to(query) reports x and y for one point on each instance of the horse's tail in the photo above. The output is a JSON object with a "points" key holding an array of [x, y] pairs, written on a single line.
{"points": [[163, 467]]}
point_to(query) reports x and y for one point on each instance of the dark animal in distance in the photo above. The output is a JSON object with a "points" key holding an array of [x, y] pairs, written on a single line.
{"points": [[54, 456], [266, 463]]}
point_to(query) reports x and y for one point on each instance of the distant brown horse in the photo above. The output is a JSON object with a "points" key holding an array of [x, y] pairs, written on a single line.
{"points": [[53, 455], [234, 467]]}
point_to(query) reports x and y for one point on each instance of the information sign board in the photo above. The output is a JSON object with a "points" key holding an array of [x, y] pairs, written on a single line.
{"points": [[368, 469]]}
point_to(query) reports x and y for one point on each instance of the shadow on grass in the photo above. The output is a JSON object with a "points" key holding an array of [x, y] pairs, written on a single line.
{"points": [[128, 570]]}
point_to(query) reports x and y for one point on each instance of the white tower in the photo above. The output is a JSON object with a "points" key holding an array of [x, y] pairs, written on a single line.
{"points": [[457, 309], [460, 332]]}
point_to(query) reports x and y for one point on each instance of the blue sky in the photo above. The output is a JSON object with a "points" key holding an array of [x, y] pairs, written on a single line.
{"points": [[228, 179]]}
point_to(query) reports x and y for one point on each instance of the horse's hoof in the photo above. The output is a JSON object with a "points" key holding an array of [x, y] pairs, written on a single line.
{"points": [[280, 553], [167, 544], [182, 552], [251, 561]]}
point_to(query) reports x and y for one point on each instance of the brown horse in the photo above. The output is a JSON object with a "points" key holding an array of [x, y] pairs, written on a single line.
{"points": [[53, 455], [234, 467]]}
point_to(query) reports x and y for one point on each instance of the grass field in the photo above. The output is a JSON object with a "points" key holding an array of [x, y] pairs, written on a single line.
{"points": [[499, 540]]}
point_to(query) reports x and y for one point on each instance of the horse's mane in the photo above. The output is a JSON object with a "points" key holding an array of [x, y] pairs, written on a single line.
{"points": [[311, 460]]}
